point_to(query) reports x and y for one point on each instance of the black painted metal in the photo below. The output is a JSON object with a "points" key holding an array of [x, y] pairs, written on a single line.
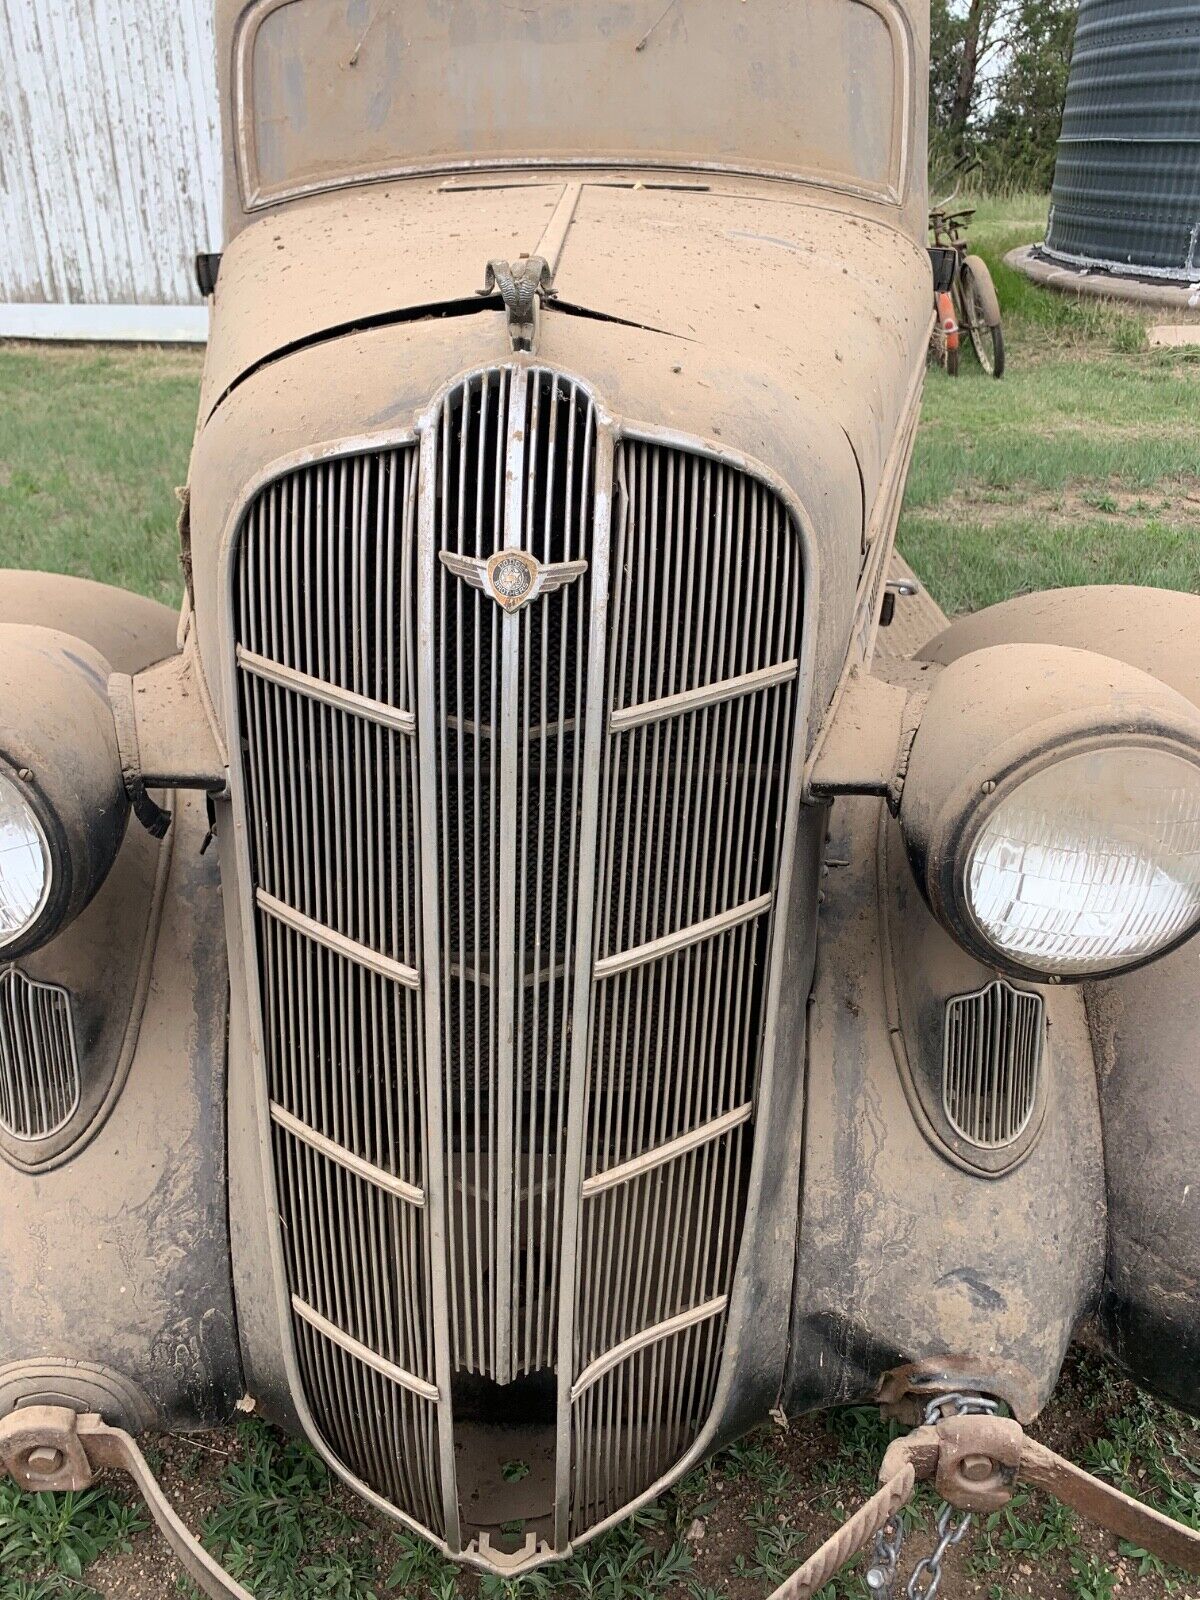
{"points": [[1127, 185]]}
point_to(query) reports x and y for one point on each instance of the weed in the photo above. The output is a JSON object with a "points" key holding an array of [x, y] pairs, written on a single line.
{"points": [[1092, 1579], [281, 1530], [1030, 1527], [777, 1551], [47, 1538], [54, 1588], [420, 1569]]}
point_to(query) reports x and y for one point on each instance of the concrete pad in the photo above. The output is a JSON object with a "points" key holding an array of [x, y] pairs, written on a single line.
{"points": [[1102, 285], [1173, 336]]}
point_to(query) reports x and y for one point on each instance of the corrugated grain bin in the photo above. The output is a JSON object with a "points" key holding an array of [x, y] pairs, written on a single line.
{"points": [[1127, 185]]}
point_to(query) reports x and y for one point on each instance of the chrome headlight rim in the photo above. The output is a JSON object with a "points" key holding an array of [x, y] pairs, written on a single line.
{"points": [[977, 800], [56, 889], [58, 743]]}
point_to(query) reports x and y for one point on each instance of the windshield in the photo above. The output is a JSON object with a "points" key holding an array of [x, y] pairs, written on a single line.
{"points": [[332, 91]]}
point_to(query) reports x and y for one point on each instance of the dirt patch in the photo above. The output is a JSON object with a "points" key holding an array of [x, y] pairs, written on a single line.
{"points": [[1174, 503]]}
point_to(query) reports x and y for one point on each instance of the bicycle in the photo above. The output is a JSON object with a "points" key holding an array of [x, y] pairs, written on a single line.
{"points": [[964, 293]]}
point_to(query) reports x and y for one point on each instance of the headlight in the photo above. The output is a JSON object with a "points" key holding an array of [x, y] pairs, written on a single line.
{"points": [[1092, 864], [63, 807], [24, 863], [1051, 811]]}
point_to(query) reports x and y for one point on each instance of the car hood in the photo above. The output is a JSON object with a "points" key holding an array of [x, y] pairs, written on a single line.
{"points": [[833, 304]]}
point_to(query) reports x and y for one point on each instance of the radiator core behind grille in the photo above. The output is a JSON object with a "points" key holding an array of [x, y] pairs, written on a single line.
{"points": [[512, 884]]}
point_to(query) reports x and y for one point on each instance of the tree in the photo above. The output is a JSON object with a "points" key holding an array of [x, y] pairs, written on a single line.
{"points": [[1026, 115], [997, 81], [965, 35], [945, 42], [978, 25]]}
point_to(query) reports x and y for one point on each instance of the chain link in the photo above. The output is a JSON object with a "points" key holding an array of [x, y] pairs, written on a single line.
{"points": [[881, 1577], [927, 1574], [889, 1541]]}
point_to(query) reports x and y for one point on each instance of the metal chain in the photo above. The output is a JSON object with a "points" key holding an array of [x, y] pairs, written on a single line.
{"points": [[889, 1541], [927, 1574], [881, 1576]]}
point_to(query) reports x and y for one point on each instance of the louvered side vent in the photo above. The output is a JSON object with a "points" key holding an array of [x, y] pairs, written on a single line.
{"points": [[39, 1064], [323, 606], [702, 675], [994, 1041]]}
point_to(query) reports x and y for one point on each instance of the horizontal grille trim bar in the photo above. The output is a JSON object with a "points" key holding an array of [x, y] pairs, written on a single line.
{"points": [[333, 1151], [361, 1352], [637, 1166], [648, 1336], [329, 694], [709, 694], [362, 954], [641, 954]]}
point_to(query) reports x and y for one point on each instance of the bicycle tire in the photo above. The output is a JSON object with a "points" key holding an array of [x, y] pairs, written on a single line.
{"points": [[982, 321]]}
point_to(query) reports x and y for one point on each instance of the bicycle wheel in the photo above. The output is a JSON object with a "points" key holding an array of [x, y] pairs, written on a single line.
{"points": [[982, 315]]}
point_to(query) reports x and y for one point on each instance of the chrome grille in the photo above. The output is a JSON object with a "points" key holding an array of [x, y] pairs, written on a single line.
{"points": [[991, 1062], [39, 1065], [325, 579], [513, 877], [704, 635]]}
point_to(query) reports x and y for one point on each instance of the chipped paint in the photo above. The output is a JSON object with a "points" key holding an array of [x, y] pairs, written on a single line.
{"points": [[110, 166]]}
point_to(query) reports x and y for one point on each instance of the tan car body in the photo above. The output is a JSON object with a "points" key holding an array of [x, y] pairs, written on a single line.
{"points": [[773, 320]]}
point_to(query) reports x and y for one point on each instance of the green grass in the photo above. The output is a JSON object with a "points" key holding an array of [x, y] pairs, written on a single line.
{"points": [[92, 445], [1082, 465]]}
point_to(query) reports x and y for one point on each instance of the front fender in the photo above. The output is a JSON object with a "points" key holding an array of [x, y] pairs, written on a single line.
{"points": [[1143, 1026], [918, 1271], [114, 1274]]}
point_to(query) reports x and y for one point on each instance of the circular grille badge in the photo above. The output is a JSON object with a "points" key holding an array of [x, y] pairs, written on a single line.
{"points": [[512, 575]]}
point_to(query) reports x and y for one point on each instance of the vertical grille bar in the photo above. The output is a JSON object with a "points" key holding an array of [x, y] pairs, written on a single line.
{"points": [[435, 977], [580, 991], [502, 1154], [515, 462]]}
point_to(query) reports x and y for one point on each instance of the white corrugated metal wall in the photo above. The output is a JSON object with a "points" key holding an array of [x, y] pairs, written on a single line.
{"points": [[110, 170]]}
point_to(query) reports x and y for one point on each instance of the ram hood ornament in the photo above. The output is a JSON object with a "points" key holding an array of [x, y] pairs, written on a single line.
{"points": [[511, 577]]}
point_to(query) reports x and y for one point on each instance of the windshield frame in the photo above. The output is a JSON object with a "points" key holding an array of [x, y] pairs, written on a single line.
{"points": [[255, 196]]}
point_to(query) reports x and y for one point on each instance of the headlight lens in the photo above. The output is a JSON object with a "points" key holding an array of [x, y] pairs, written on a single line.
{"points": [[24, 863], [1091, 864]]}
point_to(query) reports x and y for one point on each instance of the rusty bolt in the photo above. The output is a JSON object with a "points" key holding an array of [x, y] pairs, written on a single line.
{"points": [[43, 1461], [976, 1469]]}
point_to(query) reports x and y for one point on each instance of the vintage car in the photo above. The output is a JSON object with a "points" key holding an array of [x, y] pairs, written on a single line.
{"points": [[561, 953]]}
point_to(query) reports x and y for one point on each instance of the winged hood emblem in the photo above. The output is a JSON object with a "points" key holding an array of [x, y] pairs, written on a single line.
{"points": [[511, 577]]}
